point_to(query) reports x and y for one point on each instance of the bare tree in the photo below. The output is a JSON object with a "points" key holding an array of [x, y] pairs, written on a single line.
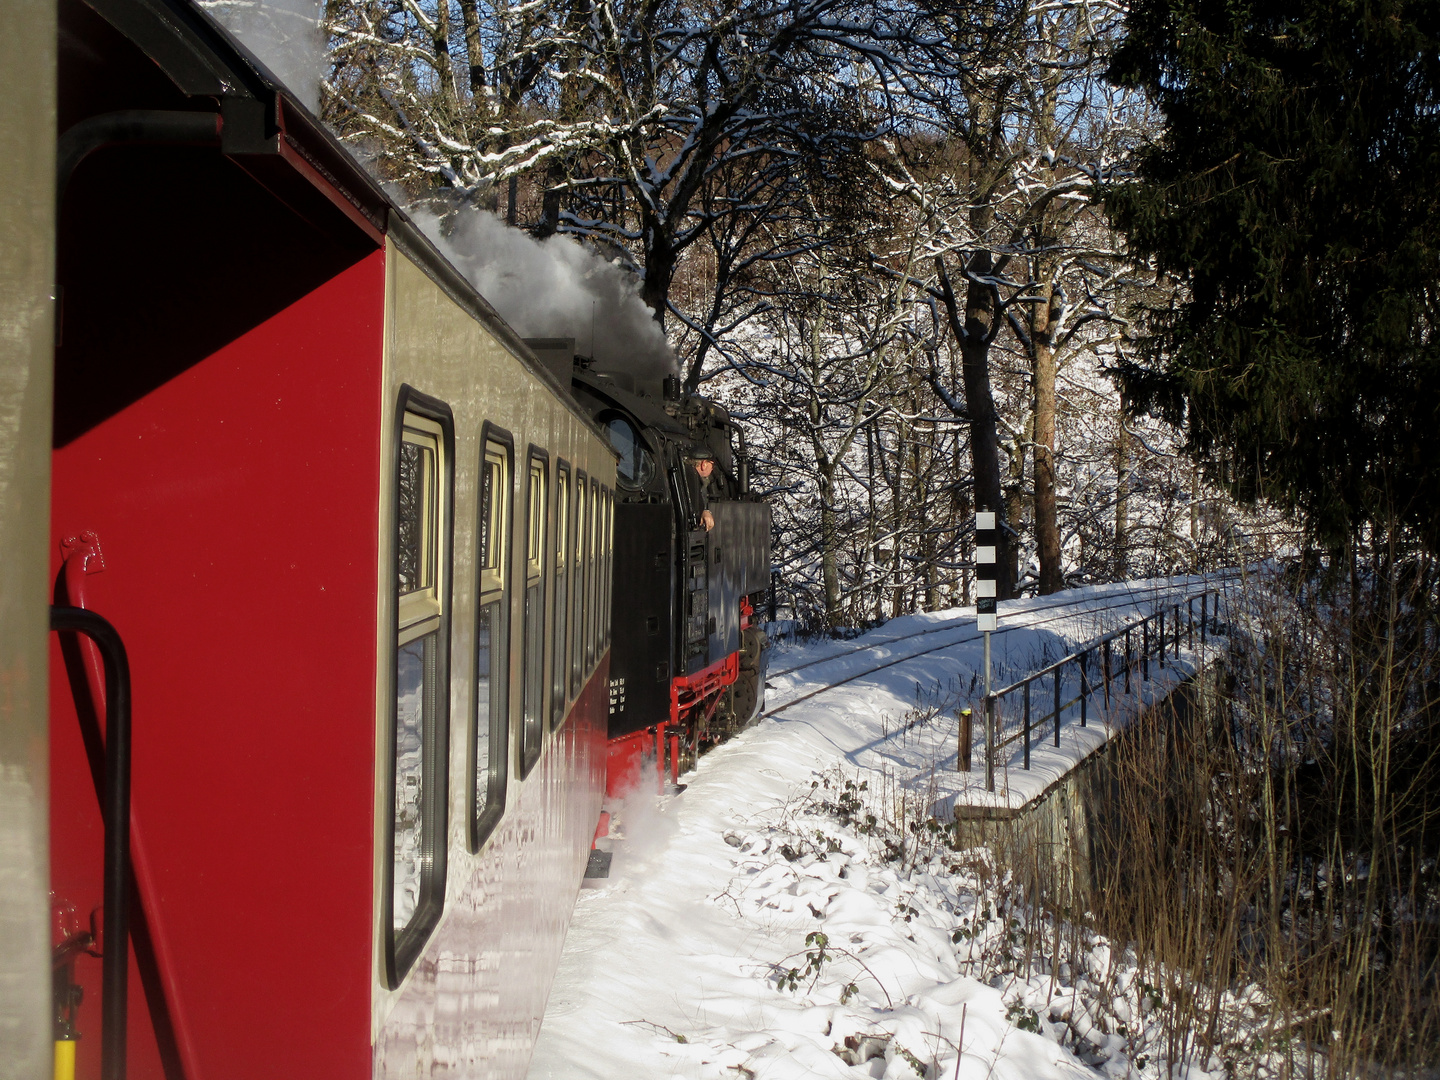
{"points": [[637, 117]]}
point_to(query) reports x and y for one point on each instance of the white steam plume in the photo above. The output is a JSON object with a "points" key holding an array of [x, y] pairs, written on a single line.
{"points": [[549, 288], [555, 288], [285, 35]]}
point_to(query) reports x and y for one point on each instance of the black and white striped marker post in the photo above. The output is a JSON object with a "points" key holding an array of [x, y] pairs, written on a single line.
{"points": [[986, 535], [985, 567]]}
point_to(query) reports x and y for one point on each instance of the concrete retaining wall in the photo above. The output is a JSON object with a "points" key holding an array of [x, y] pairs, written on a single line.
{"points": [[1055, 839]]}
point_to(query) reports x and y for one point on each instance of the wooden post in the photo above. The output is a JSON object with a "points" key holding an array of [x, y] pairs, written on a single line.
{"points": [[1057, 703], [1145, 651], [1161, 626], [1027, 724], [989, 742], [1084, 684], [962, 755], [1129, 660], [1106, 655]]}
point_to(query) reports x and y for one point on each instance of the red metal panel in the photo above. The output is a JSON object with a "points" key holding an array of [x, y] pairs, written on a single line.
{"points": [[237, 506]]}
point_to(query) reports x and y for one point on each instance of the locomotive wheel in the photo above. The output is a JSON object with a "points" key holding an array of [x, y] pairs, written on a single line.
{"points": [[747, 694]]}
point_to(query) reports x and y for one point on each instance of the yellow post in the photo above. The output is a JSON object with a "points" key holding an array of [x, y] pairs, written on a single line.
{"points": [[64, 1059]]}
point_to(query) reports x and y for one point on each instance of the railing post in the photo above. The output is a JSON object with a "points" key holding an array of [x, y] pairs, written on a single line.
{"points": [[1177, 631], [1204, 616], [1084, 684], [1145, 651], [1161, 626], [1057, 703], [989, 742], [1027, 724], [1106, 654], [1190, 624], [1129, 660]]}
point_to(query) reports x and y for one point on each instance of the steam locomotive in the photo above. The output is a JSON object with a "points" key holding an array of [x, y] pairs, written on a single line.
{"points": [[327, 619], [687, 646]]}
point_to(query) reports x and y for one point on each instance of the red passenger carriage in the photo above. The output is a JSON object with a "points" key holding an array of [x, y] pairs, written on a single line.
{"points": [[325, 497]]}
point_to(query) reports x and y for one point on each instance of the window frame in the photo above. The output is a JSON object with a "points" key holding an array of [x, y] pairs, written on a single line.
{"points": [[537, 573], [598, 561], [492, 586], [591, 575], [577, 602], [409, 622], [645, 453], [560, 585]]}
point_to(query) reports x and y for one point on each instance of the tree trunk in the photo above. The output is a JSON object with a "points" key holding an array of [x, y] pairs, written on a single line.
{"points": [[872, 538], [829, 570], [660, 259], [1122, 498], [896, 479], [825, 467], [444, 73], [1047, 522], [974, 336], [550, 200], [474, 52], [1194, 504], [1014, 514]]}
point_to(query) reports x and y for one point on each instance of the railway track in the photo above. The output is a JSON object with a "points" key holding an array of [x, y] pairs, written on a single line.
{"points": [[966, 634]]}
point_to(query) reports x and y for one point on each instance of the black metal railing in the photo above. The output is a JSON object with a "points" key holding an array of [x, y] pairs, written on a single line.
{"points": [[115, 802], [1070, 678]]}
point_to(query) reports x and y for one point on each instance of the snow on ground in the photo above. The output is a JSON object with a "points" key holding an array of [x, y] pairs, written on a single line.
{"points": [[761, 924]]}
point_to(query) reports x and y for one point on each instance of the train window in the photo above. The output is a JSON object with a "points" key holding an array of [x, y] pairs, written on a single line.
{"points": [[636, 467], [532, 730], [491, 728], [559, 668], [577, 633], [424, 489]]}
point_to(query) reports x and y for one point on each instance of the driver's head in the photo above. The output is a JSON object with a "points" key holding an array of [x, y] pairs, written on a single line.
{"points": [[703, 460]]}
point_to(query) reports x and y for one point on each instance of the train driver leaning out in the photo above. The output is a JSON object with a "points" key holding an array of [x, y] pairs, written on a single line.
{"points": [[702, 460]]}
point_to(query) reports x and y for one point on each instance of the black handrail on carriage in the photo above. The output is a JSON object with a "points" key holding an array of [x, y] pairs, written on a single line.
{"points": [[153, 127], [115, 963], [1080, 658]]}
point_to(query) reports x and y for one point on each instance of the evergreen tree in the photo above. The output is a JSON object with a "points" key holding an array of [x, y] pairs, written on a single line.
{"points": [[1295, 196]]}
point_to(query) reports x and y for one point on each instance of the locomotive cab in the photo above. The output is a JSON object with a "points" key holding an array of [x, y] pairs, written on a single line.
{"points": [[688, 654]]}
